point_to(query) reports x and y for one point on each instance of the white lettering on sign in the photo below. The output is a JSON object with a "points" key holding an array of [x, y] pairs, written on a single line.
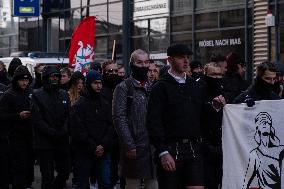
{"points": [[220, 42]]}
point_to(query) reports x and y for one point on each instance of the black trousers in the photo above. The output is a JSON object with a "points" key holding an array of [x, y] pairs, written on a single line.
{"points": [[189, 167], [50, 161], [4, 163], [22, 161]]}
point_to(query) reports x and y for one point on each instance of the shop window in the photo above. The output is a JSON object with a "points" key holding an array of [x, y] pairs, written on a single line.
{"points": [[140, 27], [159, 26], [206, 20], [101, 45], [206, 4], [159, 43], [185, 38], [232, 18], [115, 17], [222, 42], [118, 42], [140, 43], [181, 23], [181, 5]]}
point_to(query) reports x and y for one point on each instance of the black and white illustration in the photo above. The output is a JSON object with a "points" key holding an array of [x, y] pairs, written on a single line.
{"points": [[253, 146], [265, 160]]}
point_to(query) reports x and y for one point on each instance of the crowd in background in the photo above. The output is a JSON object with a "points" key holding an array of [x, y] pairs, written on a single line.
{"points": [[159, 127]]}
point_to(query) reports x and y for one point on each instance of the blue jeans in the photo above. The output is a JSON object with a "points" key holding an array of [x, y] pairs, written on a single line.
{"points": [[84, 164]]}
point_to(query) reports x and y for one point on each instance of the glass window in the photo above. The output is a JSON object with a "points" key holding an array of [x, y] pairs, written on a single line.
{"points": [[207, 20], [140, 27], [75, 3], [54, 41], [101, 18], [232, 18], [115, 17], [101, 45], [181, 5], [61, 28], [185, 38], [181, 23], [281, 12], [159, 26], [159, 43], [207, 4], [222, 42], [140, 43], [118, 42]]}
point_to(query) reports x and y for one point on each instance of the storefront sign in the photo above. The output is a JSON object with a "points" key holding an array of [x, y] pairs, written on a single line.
{"points": [[152, 7], [26, 8], [220, 42]]}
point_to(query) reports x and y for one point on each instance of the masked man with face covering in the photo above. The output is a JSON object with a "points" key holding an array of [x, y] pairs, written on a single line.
{"points": [[51, 110], [15, 111], [129, 115], [262, 88]]}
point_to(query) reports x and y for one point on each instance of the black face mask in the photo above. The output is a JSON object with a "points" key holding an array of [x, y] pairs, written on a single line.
{"points": [[263, 85], [214, 84], [139, 73], [111, 80]]}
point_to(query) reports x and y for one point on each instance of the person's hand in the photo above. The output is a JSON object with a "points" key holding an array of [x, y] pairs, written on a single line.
{"points": [[250, 102], [99, 151], [219, 102], [168, 162], [131, 154], [25, 114]]}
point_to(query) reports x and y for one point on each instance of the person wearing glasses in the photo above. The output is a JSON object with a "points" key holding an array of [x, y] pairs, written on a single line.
{"points": [[129, 116]]}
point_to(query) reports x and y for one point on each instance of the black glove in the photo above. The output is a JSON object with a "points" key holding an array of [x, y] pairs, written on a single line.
{"points": [[250, 102]]}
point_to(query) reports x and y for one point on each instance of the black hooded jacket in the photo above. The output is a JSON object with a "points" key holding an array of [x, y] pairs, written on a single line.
{"points": [[257, 91], [50, 114], [91, 123], [174, 111], [14, 101]]}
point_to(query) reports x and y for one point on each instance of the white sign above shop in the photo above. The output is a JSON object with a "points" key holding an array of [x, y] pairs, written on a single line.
{"points": [[152, 7], [220, 42]]}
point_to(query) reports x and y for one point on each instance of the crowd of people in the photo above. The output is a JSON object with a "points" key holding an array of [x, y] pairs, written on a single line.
{"points": [[158, 128]]}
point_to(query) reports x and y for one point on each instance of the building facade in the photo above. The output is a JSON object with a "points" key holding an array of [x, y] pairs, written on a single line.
{"points": [[208, 26]]}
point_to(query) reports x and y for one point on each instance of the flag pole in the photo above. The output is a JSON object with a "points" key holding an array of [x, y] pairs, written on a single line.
{"points": [[113, 51]]}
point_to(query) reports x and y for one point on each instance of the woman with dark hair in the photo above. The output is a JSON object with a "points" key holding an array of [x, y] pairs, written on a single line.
{"points": [[77, 84], [234, 83]]}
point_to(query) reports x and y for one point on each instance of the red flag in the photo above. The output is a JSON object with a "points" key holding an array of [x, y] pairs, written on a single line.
{"points": [[81, 52]]}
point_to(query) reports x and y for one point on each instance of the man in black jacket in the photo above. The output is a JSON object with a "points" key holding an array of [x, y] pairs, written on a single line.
{"points": [[262, 89], [15, 107], [92, 132], [174, 123], [50, 115]]}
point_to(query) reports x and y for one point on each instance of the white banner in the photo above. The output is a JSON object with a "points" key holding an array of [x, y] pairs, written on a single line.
{"points": [[253, 148]]}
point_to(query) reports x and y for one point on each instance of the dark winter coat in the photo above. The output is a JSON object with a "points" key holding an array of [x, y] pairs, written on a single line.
{"points": [[175, 111], [256, 92], [129, 116], [212, 125], [234, 85], [3, 88], [14, 101], [91, 124], [50, 119]]}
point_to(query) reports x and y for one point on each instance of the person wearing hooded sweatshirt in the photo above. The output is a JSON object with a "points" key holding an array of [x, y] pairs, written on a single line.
{"points": [[130, 101], [15, 109], [91, 134], [50, 120], [262, 88], [15, 62]]}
